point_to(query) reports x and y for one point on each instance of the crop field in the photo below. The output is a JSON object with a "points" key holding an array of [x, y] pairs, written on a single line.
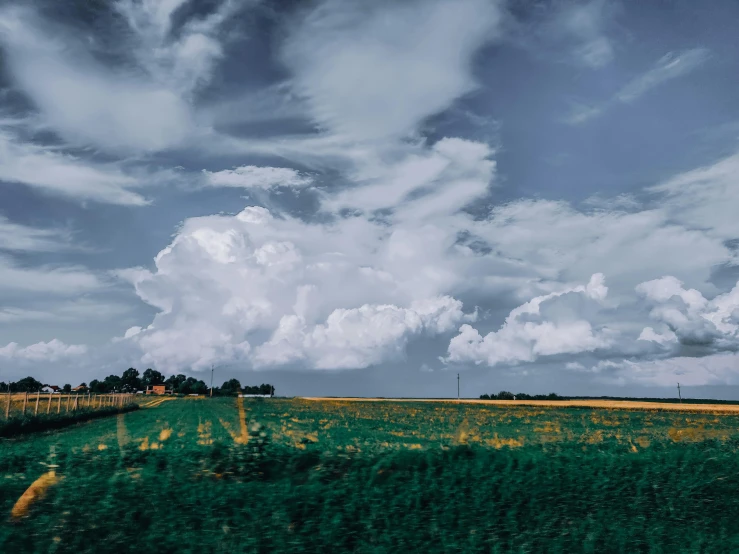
{"points": [[329, 475]]}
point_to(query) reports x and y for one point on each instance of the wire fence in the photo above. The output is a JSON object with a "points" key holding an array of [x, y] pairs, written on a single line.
{"points": [[15, 405]]}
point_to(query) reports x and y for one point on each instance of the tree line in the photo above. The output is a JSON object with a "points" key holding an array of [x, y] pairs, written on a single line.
{"points": [[505, 395], [132, 381]]}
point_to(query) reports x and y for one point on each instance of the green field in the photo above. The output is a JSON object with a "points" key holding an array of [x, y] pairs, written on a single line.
{"points": [[334, 476]]}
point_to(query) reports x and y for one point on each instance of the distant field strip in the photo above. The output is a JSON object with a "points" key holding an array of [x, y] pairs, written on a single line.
{"points": [[608, 404]]}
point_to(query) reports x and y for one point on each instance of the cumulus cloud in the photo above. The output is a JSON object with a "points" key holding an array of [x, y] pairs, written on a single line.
{"points": [[51, 351], [357, 337], [526, 335], [250, 176], [319, 295], [689, 317]]}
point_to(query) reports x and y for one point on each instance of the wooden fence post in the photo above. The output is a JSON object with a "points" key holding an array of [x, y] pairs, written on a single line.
{"points": [[69, 399], [25, 403], [7, 405], [76, 402], [48, 407], [59, 404], [38, 397]]}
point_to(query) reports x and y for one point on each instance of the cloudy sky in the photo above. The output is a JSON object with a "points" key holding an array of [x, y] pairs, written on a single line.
{"points": [[367, 198]]}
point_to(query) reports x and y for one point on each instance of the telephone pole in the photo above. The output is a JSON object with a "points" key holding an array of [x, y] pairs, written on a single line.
{"points": [[457, 386], [680, 396], [212, 369]]}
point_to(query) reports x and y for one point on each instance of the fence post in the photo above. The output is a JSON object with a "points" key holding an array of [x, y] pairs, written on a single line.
{"points": [[48, 407], [59, 404], [25, 403], [38, 397], [76, 402], [7, 405], [69, 399]]}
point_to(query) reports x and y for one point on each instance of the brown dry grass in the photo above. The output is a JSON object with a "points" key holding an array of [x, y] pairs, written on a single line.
{"points": [[33, 493], [606, 404]]}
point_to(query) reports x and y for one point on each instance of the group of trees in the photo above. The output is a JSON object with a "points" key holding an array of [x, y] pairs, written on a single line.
{"points": [[505, 395], [132, 381]]}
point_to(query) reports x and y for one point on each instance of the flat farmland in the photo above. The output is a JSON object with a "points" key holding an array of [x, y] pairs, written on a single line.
{"points": [[342, 475]]}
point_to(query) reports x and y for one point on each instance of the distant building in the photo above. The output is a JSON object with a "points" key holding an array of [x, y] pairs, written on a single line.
{"points": [[158, 389], [255, 396], [51, 388]]}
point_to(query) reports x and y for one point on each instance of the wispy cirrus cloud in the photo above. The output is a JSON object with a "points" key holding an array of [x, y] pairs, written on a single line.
{"points": [[671, 66], [54, 172], [250, 176]]}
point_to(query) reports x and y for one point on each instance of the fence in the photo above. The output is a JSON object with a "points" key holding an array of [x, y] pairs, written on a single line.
{"points": [[40, 403]]}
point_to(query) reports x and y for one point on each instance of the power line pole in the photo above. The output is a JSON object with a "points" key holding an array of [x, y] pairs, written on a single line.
{"points": [[212, 369], [678, 393], [457, 386]]}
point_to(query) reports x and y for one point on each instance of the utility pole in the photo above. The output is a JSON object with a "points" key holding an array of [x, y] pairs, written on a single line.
{"points": [[678, 393], [457, 386], [212, 369]]}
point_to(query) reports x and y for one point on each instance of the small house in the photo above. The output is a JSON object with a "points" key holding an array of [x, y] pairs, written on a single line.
{"points": [[158, 389], [51, 389]]}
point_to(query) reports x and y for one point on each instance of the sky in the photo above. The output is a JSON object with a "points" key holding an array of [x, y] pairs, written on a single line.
{"points": [[368, 198]]}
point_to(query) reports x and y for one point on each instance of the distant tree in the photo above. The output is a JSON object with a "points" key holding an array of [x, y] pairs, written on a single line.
{"points": [[151, 377], [174, 382], [231, 387], [130, 381], [484, 397], [199, 387], [97, 387], [67, 388], [112, 383], [28, 384], [505, 395]]}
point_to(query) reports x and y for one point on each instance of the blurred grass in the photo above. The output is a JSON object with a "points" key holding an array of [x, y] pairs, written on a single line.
{"points": [[357, 482]]}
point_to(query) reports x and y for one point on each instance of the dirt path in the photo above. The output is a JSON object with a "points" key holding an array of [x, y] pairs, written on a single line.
{"points": [[607, 404]]}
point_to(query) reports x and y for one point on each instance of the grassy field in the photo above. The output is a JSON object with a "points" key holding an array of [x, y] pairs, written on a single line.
{"points": [[299, 475]]}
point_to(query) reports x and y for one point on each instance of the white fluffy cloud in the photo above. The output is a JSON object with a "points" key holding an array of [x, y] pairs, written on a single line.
{"points": [[689, 317], [526, 335], [358, 337], [51, 351], [317, 294], [250, 176]]}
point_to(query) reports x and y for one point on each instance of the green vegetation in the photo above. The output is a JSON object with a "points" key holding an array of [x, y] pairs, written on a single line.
{"points": [[47, 422], [336, 476]]}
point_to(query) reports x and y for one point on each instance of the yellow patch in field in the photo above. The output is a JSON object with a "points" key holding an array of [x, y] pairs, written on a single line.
{"points": [[33, 493], [204, 433], [164, 434], [121, 432], [144, 444], [102, 446], [499, 443], [644, 442]]}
